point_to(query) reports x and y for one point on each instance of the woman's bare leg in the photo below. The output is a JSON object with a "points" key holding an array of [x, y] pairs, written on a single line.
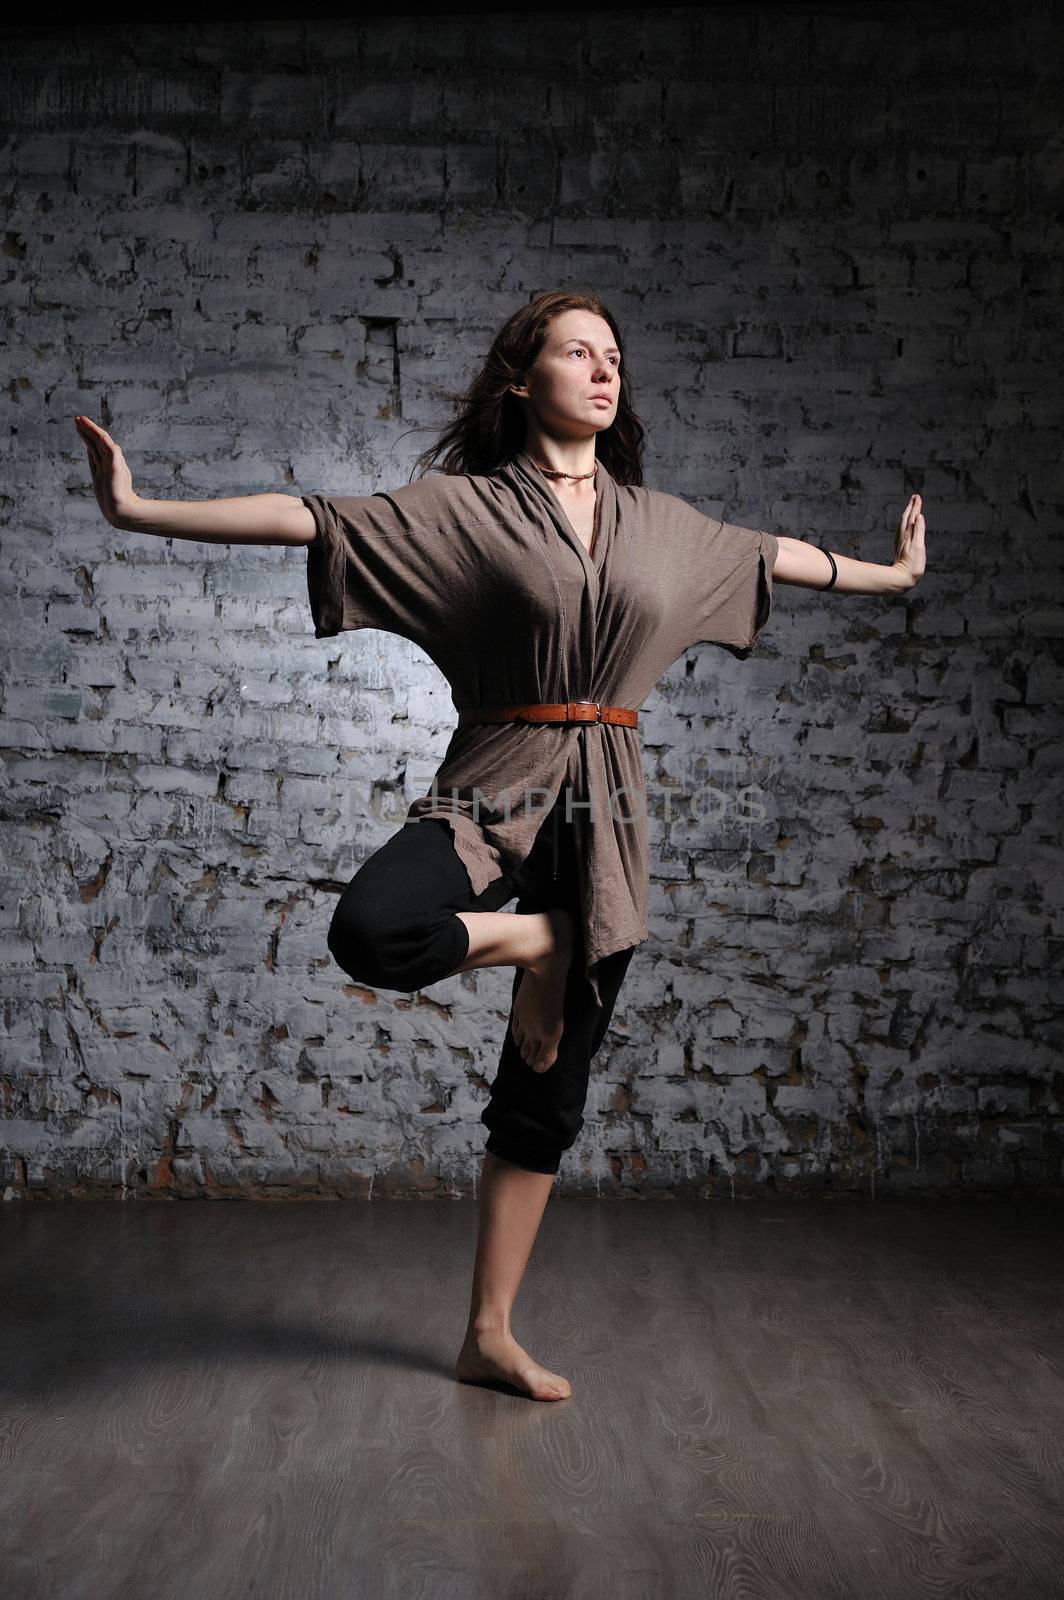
{"points": [[542, 943], [507, 938], [512, 1202]]}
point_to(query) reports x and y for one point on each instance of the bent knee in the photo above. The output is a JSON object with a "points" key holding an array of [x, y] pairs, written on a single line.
{"points": [[393, 952], [359, 942]]}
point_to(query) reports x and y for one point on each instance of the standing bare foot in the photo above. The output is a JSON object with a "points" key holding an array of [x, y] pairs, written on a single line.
{"points": [[538, 1010], [495, 1355]]}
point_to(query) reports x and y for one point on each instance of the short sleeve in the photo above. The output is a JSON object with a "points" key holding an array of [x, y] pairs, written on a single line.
{"points": [[383, 560], [732, 598], [717, 576]]}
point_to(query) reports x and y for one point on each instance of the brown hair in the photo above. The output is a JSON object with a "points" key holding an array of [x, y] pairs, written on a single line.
{"points": [[489, 429]]}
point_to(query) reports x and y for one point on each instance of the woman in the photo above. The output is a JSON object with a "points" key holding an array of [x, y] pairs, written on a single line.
{"points": [[535, 570]]}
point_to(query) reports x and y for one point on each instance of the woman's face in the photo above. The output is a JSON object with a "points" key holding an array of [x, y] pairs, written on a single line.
{"points": [[575, 374]]}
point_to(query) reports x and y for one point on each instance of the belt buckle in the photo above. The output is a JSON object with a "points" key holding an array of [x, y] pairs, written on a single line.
{"points": [[598, 710]]}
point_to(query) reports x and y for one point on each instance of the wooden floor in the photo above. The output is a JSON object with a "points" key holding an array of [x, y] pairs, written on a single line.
{"points": [[805, 1399]]}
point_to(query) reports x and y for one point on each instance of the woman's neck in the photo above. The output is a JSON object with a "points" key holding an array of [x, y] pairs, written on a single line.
{"points": [[575, 460]]}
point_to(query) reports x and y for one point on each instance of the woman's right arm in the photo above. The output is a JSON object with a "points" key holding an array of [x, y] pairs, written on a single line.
{"points": [[244, 519]]}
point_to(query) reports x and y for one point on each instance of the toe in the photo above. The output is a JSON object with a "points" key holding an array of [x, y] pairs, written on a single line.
{"points": [[558, 1388]]}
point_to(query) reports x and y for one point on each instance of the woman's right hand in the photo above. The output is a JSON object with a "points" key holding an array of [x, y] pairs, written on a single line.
{"points": [[112, 480]]}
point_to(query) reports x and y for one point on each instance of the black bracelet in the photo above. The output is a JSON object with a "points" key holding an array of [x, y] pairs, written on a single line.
{"points": [[834, 568]]}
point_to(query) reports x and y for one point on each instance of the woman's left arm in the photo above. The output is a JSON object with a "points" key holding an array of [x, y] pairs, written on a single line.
{"points": [[807, 566]]}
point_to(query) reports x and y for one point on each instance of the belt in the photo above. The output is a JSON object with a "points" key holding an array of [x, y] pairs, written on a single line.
{"points": [[553, 711]]}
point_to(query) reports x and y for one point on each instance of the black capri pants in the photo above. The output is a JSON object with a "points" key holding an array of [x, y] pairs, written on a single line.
{"points": [[395, 927]]}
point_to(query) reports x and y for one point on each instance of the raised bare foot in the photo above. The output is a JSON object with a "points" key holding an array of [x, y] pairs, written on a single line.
{"points": [[496, 1356], [538, 1009]]}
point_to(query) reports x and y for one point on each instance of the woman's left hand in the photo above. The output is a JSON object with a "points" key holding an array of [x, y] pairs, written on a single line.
{"points": [[910, 557]]}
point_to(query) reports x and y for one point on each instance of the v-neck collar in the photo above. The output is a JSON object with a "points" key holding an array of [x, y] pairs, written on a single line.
{"points": [[592, 559]]}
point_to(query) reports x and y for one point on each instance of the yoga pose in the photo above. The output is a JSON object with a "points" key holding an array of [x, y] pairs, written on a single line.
{"points": [[552, 589]]}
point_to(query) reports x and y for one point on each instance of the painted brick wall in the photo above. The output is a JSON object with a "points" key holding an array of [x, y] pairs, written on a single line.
{"points": [[260, 255]]}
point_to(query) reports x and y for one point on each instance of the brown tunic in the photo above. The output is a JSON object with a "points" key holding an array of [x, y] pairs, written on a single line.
{"points": [[486, 574]]}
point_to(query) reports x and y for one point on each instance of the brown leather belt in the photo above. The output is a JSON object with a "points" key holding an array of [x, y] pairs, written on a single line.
{"points": [[556, 711]]}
